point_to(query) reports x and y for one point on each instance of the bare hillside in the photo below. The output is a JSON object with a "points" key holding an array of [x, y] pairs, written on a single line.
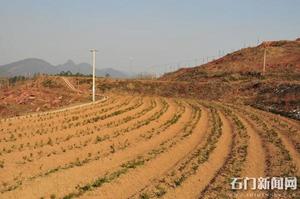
{"points": [[282, 59]]}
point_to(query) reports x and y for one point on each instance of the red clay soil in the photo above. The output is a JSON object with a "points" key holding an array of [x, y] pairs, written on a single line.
{"points": [[40, 94]]}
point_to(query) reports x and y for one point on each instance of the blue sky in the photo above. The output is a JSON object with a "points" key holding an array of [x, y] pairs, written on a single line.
{"points": [[140, 34]]}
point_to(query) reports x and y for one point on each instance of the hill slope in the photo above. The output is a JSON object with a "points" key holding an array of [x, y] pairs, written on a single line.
{"points": [[282, 57]]}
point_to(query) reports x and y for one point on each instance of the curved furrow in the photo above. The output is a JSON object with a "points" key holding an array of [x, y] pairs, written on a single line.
{"points": [[35, 119], [50, 127], [48, 114], [191, 180], [255, 164], [146, 147], [125, 117], [287, 128], [159, 185], [286, 139], [219, 186], [278, 118], [280, 158], [202, 124], [61, 135], [96, 168], [88, 160], [141, 169], [27, 128], [62, 155]]}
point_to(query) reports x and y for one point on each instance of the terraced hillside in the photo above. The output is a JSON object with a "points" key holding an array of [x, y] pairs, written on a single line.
{"points": [[128, 146]]}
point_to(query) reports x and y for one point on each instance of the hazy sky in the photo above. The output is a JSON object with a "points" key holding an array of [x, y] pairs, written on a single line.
{"points": [[139, 34]]}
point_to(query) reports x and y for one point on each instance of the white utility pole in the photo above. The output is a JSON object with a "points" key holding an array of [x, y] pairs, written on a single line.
{"points": [[264, 66], [94, 70]]}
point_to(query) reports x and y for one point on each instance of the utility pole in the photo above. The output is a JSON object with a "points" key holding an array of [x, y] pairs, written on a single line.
{"points": [[264, 66], [94, 69]]}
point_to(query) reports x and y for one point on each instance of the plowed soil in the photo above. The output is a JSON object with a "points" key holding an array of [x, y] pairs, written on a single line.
{"points": [[132, 146]]}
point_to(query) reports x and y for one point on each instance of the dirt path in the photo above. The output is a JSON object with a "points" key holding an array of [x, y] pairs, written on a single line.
{"points": [[69, 84]]}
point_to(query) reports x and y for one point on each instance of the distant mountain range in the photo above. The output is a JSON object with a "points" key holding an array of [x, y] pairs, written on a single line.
{"points": [[31, 66]]}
